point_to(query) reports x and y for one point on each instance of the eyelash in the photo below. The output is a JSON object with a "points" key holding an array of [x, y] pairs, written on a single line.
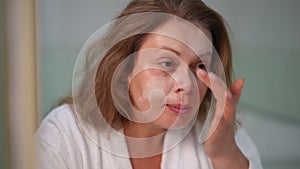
{"points": [[169, 65], [199, 66]]}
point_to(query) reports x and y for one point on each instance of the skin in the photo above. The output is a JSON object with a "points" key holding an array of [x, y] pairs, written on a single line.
{"points": [[178, 87], [171, 74]]}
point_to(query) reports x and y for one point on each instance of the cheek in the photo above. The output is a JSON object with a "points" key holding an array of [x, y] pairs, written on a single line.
{"points": [[144, 84]]}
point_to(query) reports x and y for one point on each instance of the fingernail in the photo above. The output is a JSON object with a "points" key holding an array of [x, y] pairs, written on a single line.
{"points": [[242, 82]]}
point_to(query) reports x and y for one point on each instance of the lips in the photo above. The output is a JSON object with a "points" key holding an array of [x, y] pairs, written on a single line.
{"points": [[179, 109]]}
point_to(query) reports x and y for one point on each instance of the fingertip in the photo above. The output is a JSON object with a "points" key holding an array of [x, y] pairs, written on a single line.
{"points": [[201, 72], [239, 83], [238, 86]]}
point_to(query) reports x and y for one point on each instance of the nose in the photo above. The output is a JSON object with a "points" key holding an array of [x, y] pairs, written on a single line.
{"points": [[183, 81]]}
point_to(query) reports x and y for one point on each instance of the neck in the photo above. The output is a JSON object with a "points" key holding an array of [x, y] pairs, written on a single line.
{"points": [[144, 140], [142, 130]]}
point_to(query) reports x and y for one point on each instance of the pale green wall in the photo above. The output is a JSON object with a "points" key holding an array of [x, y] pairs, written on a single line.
{"points": [[62, 31], [272, 80], [3, 129], [55, 77], [266, 52]]}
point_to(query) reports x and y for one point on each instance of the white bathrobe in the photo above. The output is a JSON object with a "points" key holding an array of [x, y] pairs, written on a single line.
{"points": [[61, 144]]}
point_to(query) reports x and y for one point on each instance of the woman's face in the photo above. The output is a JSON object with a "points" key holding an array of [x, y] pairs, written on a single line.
{"points": [[163, 85]]}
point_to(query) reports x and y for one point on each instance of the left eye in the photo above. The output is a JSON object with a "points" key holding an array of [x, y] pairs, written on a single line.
{"points": [[199, 66]]}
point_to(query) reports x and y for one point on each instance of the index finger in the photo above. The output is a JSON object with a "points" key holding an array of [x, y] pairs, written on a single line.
{"points": [[216, 84]]}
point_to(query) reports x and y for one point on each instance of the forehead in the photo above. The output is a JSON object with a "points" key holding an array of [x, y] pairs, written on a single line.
{"points": [[181, 35], [163, 43]]}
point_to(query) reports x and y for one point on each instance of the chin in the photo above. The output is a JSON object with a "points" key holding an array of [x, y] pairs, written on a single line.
{"points": [[175, 123]]}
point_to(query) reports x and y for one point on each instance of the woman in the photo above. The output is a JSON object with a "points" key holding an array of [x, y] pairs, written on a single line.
{"points": [[154, 91]]}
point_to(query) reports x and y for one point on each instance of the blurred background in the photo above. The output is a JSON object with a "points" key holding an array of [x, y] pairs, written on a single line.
{"points": [[265, 36]]}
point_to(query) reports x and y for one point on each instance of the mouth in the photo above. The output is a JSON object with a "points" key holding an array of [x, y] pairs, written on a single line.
{"points": [[179, 109]]}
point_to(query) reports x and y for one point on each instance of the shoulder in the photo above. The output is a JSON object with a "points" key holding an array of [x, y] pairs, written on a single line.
{"points": [[54, 137], [63, 112], [58, 128], [57, 122]]}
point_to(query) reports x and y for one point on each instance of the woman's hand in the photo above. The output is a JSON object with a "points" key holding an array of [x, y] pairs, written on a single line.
{"points": [[221, 146]]}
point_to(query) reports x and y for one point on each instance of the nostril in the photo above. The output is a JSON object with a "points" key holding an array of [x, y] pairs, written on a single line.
{"points": [[179, 90]]}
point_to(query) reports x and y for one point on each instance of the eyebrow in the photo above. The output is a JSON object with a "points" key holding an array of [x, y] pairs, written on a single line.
{"points": [[170, 49], [208, 53], [199, 56]]}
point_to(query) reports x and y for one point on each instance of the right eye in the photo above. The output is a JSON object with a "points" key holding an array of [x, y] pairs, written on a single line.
{"points": [[167, 64]]}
